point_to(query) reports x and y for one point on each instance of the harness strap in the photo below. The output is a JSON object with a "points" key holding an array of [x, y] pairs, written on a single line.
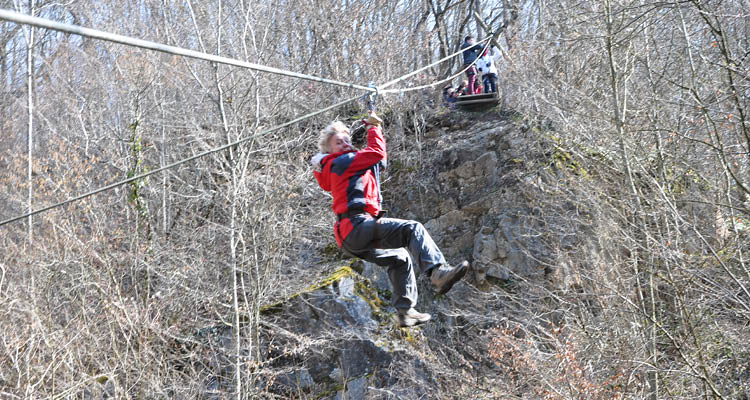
{"points": [[350, 213]]}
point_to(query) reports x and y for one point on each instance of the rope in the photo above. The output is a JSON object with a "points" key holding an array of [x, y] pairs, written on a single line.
{"points": [[397, 80], [145, 44], [19, 18], [177, 163], [404, 90], [96, 34]]}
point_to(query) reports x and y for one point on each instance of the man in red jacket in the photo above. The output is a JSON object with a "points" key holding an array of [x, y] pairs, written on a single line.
{"points": [[353, 178]]}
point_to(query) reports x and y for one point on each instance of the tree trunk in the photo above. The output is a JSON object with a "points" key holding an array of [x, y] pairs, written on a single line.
{"points": [[618, 101], [29, 33]]}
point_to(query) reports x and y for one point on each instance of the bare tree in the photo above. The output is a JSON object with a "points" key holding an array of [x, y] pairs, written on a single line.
{"points": [[638, 112]]}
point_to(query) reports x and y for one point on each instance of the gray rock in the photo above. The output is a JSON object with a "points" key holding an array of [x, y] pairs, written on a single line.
{"points": [[299, 379], [485, 246], [440, 225], [355, 389], [465, 170], [486, 164], [361, 357], [498, 271], [377, 275], [501, 246], [336, 375], [355, 306], [338, 305]]}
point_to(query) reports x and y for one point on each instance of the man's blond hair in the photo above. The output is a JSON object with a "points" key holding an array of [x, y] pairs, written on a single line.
{"points": [[330, 130]]}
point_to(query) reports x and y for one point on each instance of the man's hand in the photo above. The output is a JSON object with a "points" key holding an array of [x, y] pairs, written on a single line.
{"points": [[315, 161], [373, 119]]}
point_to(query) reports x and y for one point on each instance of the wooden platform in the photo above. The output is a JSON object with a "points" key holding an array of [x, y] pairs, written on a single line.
{"points": [[482, 98]]}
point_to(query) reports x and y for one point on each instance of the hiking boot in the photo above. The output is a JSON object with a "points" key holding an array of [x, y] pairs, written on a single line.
{"points": [[445, 276], [412, 317]]}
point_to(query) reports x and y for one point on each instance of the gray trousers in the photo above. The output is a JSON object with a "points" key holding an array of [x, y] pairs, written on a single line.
{"points": [[385, 242]]}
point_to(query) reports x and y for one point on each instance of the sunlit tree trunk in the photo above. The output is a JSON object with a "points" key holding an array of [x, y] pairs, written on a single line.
{"points": [[29, 33], [645, 295]]}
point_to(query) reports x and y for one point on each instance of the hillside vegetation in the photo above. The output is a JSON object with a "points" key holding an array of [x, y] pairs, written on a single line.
{"points": [[604, 203]]}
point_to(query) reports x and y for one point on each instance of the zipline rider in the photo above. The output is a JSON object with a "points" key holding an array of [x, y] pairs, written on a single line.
{"points": [[353, 178]]}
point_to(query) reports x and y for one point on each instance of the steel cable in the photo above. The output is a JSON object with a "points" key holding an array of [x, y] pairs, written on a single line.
{"points": [[176, 163], [145, 44], [96, 34]]}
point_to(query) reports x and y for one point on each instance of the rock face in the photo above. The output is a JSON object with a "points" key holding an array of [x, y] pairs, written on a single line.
{"points": [[480, 201], [486, 210], [329, 338], [488, 193]]}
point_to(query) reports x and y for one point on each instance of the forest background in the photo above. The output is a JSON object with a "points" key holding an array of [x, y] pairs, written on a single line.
{"points": [[652, 94]]}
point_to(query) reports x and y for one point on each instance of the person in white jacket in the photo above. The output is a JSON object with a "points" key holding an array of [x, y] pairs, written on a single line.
{"points": [[486, 65]]}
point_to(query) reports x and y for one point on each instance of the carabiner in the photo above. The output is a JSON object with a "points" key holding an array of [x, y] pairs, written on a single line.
{"points": [[372, 97]]}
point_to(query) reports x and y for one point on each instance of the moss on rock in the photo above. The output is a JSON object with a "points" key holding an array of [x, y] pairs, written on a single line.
{"points": [[564, 161], [363, 288]]}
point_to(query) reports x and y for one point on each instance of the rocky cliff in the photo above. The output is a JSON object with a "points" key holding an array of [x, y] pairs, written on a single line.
{"points": [[572, 290], [478, 188]]}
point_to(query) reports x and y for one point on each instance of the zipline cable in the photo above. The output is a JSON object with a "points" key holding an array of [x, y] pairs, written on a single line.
{"points": [[211, 151], [96, 34], [397, 80], [410, 89], [177, 163], [19, 18]]}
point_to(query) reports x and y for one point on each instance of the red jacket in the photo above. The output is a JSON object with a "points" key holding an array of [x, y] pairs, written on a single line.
{"points": [[353, 178]]}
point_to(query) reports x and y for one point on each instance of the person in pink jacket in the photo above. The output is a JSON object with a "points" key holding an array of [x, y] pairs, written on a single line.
{"points": [[471, 53]]}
